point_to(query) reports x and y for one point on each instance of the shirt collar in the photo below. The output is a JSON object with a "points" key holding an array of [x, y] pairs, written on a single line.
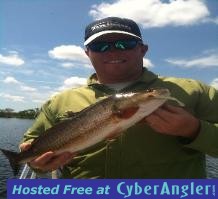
{"points": [[147, 78]]}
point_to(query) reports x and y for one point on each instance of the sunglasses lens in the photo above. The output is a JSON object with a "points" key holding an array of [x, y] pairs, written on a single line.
{"points": [[120, 44], [99, 46], [126, 44]]}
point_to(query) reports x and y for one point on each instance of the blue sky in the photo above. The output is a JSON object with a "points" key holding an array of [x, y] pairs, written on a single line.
{"points": [[41, 43]]}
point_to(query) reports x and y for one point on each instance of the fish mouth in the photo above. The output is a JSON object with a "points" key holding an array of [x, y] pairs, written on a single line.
{"points": [[115, 61]]}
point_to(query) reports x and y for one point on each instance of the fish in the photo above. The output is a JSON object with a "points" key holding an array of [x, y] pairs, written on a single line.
{"points": [[107, 118]]}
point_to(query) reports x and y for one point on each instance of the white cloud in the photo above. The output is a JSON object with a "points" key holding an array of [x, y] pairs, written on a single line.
{"points": [[214, 83], [27, 88], [13, 52], [14, 98], [75, 55], [40, 97], [21, 86], [147, 63], [73, 82], [10, 80], [39, 61], [76, 64], [69, 52], [68, 65], [154, 13], [13, 60], [45, 87], [211, 20], [215, 20], [39, 101], [200, 62]]}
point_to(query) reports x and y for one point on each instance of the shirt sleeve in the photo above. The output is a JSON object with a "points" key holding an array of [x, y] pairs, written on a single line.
{"points": [[44, 121], [207, 112]]}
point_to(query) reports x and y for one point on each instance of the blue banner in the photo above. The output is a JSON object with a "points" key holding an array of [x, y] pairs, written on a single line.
{"points": [[116, 189]]}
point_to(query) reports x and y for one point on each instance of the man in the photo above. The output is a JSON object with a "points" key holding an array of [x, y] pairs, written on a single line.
{"points": [[169, 143]]}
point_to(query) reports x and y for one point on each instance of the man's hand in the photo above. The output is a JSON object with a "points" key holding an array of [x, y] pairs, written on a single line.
{"points": [[48, 161], [172, 120]]}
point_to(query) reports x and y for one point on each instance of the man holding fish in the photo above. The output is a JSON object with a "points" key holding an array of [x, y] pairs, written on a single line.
{"points": [[127, 122]]}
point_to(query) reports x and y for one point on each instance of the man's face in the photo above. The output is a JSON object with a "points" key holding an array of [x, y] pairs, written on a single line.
{"points": [[114, 65]]}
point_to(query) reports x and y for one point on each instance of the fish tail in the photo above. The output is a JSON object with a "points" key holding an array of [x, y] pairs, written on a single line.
{"points": [[13, 160]]}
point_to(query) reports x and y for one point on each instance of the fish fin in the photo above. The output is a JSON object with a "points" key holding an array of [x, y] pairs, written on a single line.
{"points": [[12, 157], [125, 113]]}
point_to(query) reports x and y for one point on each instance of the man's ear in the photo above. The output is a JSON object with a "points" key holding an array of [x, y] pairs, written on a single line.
{"points": [[87, 52], [144, 49]]}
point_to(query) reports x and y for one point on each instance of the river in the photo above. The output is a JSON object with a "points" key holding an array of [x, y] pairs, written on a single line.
{"points": [[11, 132]]}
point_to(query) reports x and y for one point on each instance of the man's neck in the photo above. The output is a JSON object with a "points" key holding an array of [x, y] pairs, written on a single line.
{"points": [[119, 80]]}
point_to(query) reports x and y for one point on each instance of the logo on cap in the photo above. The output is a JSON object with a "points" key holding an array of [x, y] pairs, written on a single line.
{"points": [[110, 24]]}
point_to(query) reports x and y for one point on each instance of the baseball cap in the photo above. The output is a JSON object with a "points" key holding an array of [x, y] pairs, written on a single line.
{"points": [[111, 25]]}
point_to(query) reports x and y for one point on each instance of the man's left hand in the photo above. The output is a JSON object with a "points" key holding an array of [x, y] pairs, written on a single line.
{"points": [[173, 120]]}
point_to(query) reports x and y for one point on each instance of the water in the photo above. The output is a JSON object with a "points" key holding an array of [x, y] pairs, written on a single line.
{"points": [[11, 132]]}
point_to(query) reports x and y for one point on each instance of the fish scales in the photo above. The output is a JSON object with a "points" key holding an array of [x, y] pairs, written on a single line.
{"points": [[65, 131]]}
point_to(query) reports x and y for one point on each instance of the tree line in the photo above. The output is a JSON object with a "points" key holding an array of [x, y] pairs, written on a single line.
{"points": [[25, 114]]}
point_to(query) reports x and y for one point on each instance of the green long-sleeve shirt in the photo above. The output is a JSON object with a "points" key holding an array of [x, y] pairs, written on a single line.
{"points": [[139, 152]]}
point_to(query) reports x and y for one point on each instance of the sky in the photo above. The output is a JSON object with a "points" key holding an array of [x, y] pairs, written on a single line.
{"points": [[42, 51]]}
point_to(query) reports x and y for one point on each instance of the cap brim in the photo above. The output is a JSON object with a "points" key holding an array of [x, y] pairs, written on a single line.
{"points": [[93, 37]]}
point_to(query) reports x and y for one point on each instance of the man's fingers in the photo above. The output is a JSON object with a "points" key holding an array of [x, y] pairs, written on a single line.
{"points": [[172, 109], [167, 112], [153, 119], [163, 114], [24, 146], [162, 118], [42, 160], [58, 161], [49, 161]]}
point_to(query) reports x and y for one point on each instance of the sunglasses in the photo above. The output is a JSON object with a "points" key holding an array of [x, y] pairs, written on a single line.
{"points": [[123, 44]]}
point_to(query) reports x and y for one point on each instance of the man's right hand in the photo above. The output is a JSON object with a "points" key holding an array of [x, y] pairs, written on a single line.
{"points": [[48, 161]]}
